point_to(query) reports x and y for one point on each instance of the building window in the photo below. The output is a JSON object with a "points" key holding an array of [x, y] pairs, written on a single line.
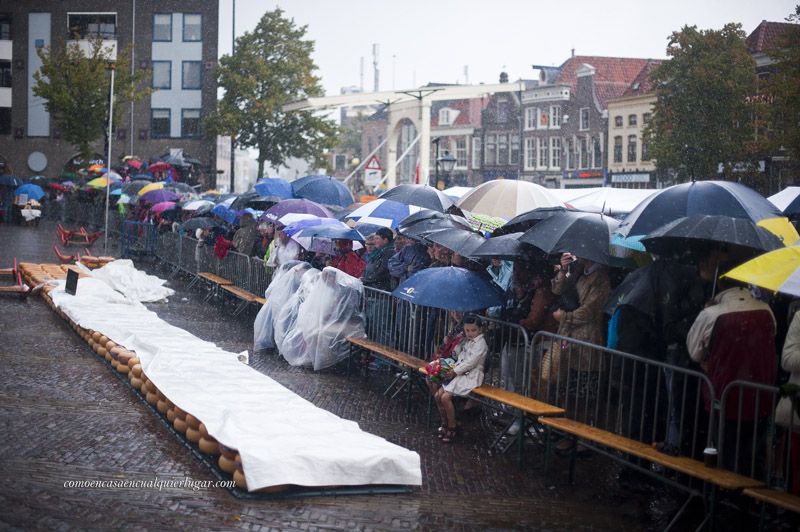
{"points": [[618, 121], [502, 111], [461, 152], [5, 73], [646, 117], [502, 149], [91, 26], [445, 117], [583, 161], [190, 123], [514, 150], [192, 27], [597, 152], [569, 154], [618, 149], [5, 27], [544, 119], [632, 120], [162, 27], [530, 153], [162, 75], [555, 116], [544, 153], [490, 157], [631, 148], [555, 152], [584, 121], [192, 77], [159, 123], [530, 117], [645, 151], [476, 152], [5, 120], [340, 162]]}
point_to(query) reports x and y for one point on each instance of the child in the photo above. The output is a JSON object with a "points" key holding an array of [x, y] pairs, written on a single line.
{"points": [[466, 375]]}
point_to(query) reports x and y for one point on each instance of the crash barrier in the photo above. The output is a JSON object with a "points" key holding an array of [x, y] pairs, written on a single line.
{"points": [[752, 444]]}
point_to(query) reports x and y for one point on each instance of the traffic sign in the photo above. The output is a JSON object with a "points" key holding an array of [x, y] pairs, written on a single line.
{"points": [[373, 164], [372, 178]]}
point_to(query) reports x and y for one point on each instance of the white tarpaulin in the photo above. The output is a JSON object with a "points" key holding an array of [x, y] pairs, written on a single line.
{"points": [[282, 438], [135, 285]]}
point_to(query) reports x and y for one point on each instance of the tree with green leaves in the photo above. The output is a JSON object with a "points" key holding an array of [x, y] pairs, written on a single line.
{"points": [[75, 86], [271, 67], [783, 91], [703, 112]]}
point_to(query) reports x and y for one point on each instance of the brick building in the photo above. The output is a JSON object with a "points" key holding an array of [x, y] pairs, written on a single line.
{"points": [[176, 40]]}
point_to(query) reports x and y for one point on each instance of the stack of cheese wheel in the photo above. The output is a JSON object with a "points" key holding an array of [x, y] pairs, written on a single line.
{"points": [[180, 420], [227, 459], [192, 428], [207, 442]]}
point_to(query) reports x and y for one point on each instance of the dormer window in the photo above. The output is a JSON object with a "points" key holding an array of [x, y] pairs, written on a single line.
{"points": [[446, 117]]}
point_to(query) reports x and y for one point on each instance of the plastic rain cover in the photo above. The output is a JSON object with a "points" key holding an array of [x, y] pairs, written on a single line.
{"points": [[285, 282], [285, 320]]}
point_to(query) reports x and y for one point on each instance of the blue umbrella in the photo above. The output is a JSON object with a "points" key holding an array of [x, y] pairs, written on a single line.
{"points": [[296, 227], [332, 231], [383, 212], [450, 288], [10, 180], [223, 212], [322, 189], [274, 187], [116, 192], [34, 192], [300, 206]]}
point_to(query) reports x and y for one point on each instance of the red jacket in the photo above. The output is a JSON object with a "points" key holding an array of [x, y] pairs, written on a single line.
{"points": [[349, 263]]}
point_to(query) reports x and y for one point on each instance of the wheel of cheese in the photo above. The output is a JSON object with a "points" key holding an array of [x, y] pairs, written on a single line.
{"points": [[238, 461], [208, 446], [103, 339], [150, 387], [136, 382], [90, 341], [161, 406], [135, 360], [143, 387], [151, 398], [171, 415], [110, 345], [122, 368], [227, 452], [136, 369], [238, 478], [193, 435], [96, 336], [115, 364], [226, 464], [204, 430], [180, 425], [193, 422], [125, 356], [116, 351]]}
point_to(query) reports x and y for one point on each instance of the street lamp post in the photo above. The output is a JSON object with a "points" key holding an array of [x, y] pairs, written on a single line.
{"points": [[448, 162], [436, 161], [108, 165]]}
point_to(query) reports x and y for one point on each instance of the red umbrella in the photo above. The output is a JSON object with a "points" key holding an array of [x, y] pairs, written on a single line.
{"points": [[159, 167], [56, 186], [162, 206], [135, 163]]}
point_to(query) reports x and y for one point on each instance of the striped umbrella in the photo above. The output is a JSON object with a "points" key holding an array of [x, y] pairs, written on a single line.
{"points": [[383, 212]]}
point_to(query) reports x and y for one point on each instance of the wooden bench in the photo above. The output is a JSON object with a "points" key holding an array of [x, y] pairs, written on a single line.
{"points": [[781, 499], [245, 296], [714, 477], [213, 281]]}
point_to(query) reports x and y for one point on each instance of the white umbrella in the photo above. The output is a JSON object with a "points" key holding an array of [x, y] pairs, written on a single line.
{"points": [[456, 192], [507, 198], [388, 213], [197, 204]]}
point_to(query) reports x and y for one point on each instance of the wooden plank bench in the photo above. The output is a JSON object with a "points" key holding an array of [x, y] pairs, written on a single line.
{"points": [[245, 296], [213, 281], [714, 477], [781, 499]]}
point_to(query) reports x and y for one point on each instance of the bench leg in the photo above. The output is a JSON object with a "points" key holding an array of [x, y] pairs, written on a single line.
{"points": [[241, 307], [572, 458]]}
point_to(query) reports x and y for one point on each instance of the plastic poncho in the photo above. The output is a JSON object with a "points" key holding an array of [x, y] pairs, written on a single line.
{"points": [[284, 283], [284, 322], [332, 313]]}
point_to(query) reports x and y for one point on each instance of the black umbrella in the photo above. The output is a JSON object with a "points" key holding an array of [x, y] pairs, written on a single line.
{"points": [[503, 247], [526, 220], [132, 188], [194, 224], [586, 235], [460, 241], [700, 233], [419, 195], [422, 222]]}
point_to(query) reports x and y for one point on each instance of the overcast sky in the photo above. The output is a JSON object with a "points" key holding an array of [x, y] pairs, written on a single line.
{"points": [[423, 41]]}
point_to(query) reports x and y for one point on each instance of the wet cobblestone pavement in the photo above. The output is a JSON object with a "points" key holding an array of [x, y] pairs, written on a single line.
{"points": [[65, 416]]}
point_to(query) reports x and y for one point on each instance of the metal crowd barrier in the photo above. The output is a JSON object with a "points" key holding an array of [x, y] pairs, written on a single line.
{"points": [[638, 398], [138, 239]]}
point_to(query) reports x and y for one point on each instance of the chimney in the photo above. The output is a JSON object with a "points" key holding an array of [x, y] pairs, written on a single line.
{"points": [[573, 52], [503, 77]]}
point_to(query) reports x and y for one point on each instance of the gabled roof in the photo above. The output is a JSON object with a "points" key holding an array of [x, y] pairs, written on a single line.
{"points": [[469, 115], [642, 84], [612, 77], [764, 37]]}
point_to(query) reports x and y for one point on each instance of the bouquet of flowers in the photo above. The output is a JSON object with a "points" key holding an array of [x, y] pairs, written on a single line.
{"points": [[438, 368]]}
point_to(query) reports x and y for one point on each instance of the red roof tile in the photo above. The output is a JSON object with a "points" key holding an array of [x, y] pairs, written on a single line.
{"points": [[765, 35], [642, 84], [613, 75]]}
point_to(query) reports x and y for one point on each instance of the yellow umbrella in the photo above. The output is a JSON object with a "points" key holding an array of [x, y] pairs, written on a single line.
{"points": [[100, 182], [152, 186], [782, 228], [778, 271]]}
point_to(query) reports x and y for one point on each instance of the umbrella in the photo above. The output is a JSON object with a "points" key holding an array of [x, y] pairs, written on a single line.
{"points": [[133, 187], [124, 198], [507, 198], [34, 192], [484, 222], [701, 232], [134, 163], [249, 198], [144, 175], [150, 187], [294, 222], [788, 201], [419, 195], [336, 230], [391, 212], [526, 220], [304, 206], [723, 198], [195, 205], [458, 240], [274, 187], [225, 213], [586, 235], [778, 271], [503, 247], [97, 168], [113, 176], [159, 167], [199, 223], [101, 182], [322, 189], [456, 193], [651, 290], [162, 206], [39, 180], [157, 196], [116, 192], [56, 186], [430, 216], [450, 288], [10, 180], [181, 188], [610, 200]]}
